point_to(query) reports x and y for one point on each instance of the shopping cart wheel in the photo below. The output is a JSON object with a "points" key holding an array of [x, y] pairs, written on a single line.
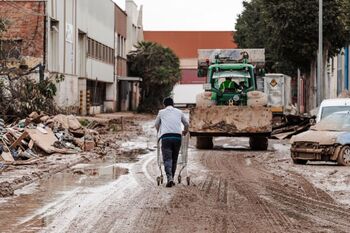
{"points": [[161, 179], [188, 179], [179, 179], [158, 180]]}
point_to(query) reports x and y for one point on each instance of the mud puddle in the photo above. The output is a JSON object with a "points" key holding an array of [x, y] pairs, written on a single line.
{"points": [[34, 201]]}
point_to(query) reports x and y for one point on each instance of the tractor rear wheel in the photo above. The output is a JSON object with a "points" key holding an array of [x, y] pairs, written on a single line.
{"points": [[205, 143], [258, 143]]}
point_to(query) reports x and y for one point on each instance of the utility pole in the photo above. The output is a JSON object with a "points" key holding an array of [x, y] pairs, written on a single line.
{"points": [[299, 92], [320, 78]]}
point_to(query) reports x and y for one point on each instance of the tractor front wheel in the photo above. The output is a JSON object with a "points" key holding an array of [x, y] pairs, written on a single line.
{"points": [[258, 143], [205, 143]]}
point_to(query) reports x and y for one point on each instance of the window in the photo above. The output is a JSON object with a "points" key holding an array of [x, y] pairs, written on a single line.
{"points": [[124, 48], [54, 46], [89, 47], [10, 49], [100, 51]]}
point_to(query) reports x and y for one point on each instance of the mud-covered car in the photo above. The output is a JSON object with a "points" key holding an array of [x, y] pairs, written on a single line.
{"points": [[328, 140]]}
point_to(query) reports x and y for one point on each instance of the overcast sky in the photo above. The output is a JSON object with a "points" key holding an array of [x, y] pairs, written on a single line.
{"points": [[215, 15]]}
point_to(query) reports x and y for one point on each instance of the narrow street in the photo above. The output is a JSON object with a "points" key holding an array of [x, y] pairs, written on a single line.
{"points": [[230, 191]]}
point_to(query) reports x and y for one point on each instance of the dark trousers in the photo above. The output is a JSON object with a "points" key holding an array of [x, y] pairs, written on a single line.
{"points": [[170, 151]]}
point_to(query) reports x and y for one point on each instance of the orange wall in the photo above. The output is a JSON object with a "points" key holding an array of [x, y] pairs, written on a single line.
{"points": [[186, 43]]}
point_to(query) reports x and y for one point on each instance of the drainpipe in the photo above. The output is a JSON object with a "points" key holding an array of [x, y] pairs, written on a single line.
{"points": [[346, 68], [45, 38]]}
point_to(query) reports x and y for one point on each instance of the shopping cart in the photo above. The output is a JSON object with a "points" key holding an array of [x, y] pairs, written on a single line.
{"points": [[181, 162]]}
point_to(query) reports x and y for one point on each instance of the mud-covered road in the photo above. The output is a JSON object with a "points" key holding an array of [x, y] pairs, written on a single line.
{"points": [[231, 191]]}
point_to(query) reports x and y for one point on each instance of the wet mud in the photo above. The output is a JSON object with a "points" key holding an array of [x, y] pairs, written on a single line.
{"points": [[232, 189]]}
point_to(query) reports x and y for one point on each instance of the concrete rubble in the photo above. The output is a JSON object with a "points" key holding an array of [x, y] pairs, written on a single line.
{"points": [[39, 134], [42, 145]]}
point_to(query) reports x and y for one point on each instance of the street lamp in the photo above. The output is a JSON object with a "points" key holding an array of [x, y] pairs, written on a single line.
{"points": [[320, 78]]}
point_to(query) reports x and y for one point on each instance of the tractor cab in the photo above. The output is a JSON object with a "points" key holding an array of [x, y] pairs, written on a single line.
{"points": [[230, 82]]}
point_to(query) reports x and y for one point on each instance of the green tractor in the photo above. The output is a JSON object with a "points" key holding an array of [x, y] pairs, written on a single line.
{"points": [[230, 105]]}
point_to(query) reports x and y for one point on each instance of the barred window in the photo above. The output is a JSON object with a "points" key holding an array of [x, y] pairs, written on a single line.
{"points": [[100, 51]]}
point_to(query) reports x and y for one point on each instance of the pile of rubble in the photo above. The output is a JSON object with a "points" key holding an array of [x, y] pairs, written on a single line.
{"points": [[292, 125], [26, 140]]}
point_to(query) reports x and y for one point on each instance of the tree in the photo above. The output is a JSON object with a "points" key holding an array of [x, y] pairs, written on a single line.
{"points": [[289, 32], [159, 69], [20, 94]]}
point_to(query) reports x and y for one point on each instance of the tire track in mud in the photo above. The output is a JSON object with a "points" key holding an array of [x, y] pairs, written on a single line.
{"points": [[306, 201], [325, 209], [311, 190], [231, 167]]}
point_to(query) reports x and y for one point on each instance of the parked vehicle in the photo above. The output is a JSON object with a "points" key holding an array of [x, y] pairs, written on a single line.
{"points": [[185, 94], [330, 106], [328, 140], [277, 87]]}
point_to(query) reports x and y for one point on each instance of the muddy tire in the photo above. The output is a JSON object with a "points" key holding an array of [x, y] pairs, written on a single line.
{"points": [[258, 143], [344, 156], [299, 161], [204, 143]]}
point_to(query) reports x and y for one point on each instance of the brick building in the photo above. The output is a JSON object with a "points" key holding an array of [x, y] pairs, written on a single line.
{"points": [[86, 41], [185, 44], [25, 36]]}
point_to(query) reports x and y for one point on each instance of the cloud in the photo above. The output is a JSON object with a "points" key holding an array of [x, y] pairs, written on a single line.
{"points": [[219, 15]]}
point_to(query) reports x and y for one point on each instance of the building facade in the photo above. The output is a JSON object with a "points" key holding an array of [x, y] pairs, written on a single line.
{"points": [[84, 42], [129, 87], [25, 35], [81, 47], [185, 45], [338, 74]]}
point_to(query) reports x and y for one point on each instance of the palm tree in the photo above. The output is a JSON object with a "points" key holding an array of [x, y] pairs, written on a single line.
{"points": [[159, 69]]}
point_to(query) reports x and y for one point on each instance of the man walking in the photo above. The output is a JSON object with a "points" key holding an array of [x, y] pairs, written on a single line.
{"points": [[169, 128]]}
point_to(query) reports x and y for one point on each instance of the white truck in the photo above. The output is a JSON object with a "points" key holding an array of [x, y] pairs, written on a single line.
{"points": [[330, 106], [185, 94]]}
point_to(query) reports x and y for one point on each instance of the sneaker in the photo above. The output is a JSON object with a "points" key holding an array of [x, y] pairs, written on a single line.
{"points": [[169, 184], [172, 183]]}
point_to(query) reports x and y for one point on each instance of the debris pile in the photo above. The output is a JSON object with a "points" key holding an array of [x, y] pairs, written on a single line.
{"points": [[40, 134], [293, 124]]}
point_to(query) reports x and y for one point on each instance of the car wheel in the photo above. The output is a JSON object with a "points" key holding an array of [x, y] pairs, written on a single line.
{"points": [[299, 161], [344, 156]]}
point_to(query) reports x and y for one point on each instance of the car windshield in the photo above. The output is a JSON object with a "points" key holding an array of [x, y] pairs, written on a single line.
{"points": [[339, 121], [326, 111]]}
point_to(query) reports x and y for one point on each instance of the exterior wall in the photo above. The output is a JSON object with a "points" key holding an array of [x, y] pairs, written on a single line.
{"points": [[26, 27], [120, 21], [135, 96], [134, 25], [75, 27], [79, 43], [62, 50], [96, 18], [185, 45], [120, 42], [189, 76], [338, 74], [98, 70], [67, 93], [129, 31]]}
